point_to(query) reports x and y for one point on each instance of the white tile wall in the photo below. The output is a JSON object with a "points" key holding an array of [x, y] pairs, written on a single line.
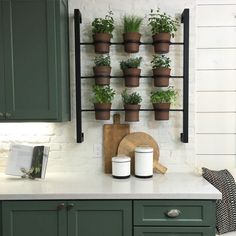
{"points": [[66, 154]]}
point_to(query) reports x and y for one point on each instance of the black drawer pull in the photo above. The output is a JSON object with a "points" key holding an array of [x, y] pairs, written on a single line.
{"points": [[173, 213], [60, 206], [70, 206]]}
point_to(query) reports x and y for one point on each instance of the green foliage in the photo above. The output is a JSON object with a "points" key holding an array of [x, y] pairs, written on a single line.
{"points": [[102, 94], [104, 25], [162, 23], [131, 63], [132, 23], [102, 60], [133, 98], [163, 96], [30, 174], [160, 61]]}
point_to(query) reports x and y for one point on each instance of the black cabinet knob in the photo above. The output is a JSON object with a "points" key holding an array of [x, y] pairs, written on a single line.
{"points": [[61, 206], [70, 206]]}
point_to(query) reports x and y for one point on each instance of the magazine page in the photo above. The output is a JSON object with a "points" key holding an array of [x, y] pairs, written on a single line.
{"points": [[20, 156]]}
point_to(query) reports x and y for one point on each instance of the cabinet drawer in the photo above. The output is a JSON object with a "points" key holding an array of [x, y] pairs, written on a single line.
{"points": [[174, 231], [181, 213]]}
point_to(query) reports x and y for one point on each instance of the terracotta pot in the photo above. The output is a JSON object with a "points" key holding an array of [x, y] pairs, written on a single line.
{"points": [[102, 75], [132, 112], [161, 42], [132, 77], [161, 111], [161, 77], [102, 42], [102, 111], [131, 42]]}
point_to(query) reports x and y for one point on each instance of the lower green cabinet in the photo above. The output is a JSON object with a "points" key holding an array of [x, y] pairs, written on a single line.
{"points": [[174, 231], [107, 218], [33, 218], [67, 218], [101, 218]]}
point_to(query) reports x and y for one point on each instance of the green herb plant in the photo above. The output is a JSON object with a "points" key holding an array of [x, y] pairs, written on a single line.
{"points": [[104, 25], [131, 63], [162, 23], [133, 98], [160, 61], [102, 60], [30, 174], [102, 94], [132, 23], [163, 96]]}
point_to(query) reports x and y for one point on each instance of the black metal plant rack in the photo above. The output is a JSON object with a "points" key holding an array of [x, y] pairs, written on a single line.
{"points": [[185, 43]]}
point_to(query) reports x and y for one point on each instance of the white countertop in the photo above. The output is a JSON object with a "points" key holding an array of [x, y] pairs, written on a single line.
{"points": [[102, 186]]}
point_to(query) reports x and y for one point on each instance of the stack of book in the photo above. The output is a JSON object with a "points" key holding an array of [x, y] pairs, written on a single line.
{"points": [[27, 161]]}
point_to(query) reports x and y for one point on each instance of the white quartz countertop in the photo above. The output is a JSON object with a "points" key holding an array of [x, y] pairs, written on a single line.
{"points": [[103, 186]]}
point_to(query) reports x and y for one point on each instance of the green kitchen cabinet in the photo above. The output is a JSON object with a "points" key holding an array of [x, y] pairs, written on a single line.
{"points": [[105, 218], [67, 218], [34, 60], [174, 231], [174, 217], [37, 218], [189, 213]]}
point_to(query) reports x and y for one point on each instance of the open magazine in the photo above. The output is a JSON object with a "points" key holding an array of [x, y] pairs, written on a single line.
{"points": [[27, 161]]}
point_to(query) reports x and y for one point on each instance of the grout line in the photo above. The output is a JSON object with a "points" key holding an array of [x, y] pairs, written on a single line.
{"points": [[217, 91], [234, 69], [218, 48], [216, 26]]}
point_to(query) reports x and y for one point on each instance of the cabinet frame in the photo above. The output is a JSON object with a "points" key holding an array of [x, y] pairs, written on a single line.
{"points": [[185, 20]]}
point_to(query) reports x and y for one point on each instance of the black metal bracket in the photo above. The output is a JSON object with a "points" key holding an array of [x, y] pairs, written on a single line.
{"points": [[78, 77], [185, 21], [77, 22]]}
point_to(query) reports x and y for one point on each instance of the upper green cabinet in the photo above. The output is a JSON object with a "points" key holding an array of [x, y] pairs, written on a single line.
{"points": [[34, 65]]}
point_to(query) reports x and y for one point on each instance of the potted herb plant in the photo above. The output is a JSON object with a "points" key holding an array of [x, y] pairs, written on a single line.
{"points": [[131, 33], [131, 105], [163, 27], [102, 70], [161, 101], [161, 70], [102, 99], [102, 29], [131, 71]]}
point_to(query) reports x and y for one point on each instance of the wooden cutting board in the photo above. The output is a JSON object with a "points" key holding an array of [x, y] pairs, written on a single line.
{"points": [[131, 141], [112, 135]]}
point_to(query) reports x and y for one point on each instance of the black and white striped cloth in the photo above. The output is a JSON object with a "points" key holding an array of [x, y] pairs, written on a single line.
{"points": [[225, 208]]}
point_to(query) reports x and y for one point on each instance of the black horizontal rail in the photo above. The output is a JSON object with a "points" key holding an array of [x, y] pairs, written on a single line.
{"points": [[122, 109], [122, 43], [121, 76]]}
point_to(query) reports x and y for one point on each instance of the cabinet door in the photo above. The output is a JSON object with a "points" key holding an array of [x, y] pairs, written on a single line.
{"points": [[30, 59], [103, 218], [174, 231], [37, 218], [2, 90]]}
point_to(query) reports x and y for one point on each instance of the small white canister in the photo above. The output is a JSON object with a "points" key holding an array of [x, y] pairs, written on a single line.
{"points": [[121, 167], [144, 161]]}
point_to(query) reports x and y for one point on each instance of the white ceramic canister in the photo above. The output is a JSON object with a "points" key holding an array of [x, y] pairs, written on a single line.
{"points": [[143, 161], [121, 167]]}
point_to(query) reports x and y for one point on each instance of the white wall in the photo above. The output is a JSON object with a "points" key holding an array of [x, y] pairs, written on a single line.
{"points": [[216, 83], [66, 154]]}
